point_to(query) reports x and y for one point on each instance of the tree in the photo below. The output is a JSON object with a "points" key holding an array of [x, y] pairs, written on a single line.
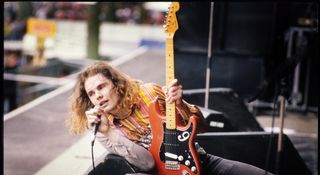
{"points": [[93, 31], [25, 10]]}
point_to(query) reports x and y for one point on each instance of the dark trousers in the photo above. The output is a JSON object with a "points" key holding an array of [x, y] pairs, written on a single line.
{"points": [[214, 165], [211, 165]]}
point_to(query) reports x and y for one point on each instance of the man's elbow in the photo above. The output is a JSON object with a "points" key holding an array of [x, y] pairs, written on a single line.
{"points": [[148, 165], [151, 165]]}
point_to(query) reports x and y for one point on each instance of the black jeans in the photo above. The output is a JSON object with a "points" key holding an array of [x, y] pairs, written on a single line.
{"points": [[214, 165], [211, 165]]}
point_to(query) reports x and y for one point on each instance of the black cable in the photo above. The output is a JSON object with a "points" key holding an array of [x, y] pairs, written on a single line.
{"points": [[271, 136], [95, 128], [92, 156]]}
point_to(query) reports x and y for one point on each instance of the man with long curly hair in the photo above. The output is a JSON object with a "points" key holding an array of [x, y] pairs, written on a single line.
{"points": [[120, 103]]}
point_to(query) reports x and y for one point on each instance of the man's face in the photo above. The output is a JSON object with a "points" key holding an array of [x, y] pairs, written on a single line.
{"points": [[102, 92]]}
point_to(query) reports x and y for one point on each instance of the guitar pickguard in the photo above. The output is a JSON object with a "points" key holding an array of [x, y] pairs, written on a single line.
{"points": [[181, 153]]}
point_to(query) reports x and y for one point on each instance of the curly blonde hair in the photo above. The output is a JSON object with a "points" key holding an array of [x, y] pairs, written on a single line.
{"points": [[126, 88]]}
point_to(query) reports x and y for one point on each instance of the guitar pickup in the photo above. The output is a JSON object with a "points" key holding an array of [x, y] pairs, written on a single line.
{"points": [[172, 165]]}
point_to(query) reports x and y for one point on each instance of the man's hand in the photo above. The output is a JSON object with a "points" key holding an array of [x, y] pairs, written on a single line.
{"points": [[92, 117], [174, 92]]}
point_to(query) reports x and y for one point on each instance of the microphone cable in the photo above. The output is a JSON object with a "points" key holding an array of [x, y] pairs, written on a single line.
{"points": [[94, 130], [92, 156]]}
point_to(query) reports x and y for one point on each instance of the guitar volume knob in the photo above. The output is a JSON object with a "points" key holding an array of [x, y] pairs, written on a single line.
{"points": [[193, 169], [187, 162], [180, 158]]}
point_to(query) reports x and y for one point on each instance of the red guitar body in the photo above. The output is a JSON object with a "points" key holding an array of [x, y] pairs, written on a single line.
{"points": [[185, 161]]}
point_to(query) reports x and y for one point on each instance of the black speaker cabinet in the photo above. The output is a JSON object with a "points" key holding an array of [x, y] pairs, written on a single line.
{"points": [[252, 148], [217, 121], [227, 102]]}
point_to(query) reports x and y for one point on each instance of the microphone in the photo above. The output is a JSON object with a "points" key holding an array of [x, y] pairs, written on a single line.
{"points": [[95, 128]]}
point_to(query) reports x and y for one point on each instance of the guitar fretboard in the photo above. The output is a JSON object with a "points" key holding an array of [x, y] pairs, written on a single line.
{"points": [[170, 108]]}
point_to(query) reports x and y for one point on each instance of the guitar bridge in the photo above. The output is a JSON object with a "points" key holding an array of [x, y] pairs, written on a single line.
{"points": [[172, 165]]}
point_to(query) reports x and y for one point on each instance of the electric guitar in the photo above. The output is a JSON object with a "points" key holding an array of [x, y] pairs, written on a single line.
{"points": [[172, 146]]}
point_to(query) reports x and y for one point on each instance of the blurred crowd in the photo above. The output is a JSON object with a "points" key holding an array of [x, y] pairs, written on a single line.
{"points": [[132, 13], [119, 12], [14, 28], [60, 10]]}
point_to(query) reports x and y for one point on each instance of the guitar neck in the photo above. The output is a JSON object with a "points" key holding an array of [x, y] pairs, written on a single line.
{"points": [[170, 108]]}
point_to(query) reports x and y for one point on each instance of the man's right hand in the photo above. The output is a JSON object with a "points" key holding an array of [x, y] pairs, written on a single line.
{"points": [[92, 117]]}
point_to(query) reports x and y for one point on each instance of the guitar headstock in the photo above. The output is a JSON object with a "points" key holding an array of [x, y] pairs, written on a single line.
{"points": [[171, 23]]}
